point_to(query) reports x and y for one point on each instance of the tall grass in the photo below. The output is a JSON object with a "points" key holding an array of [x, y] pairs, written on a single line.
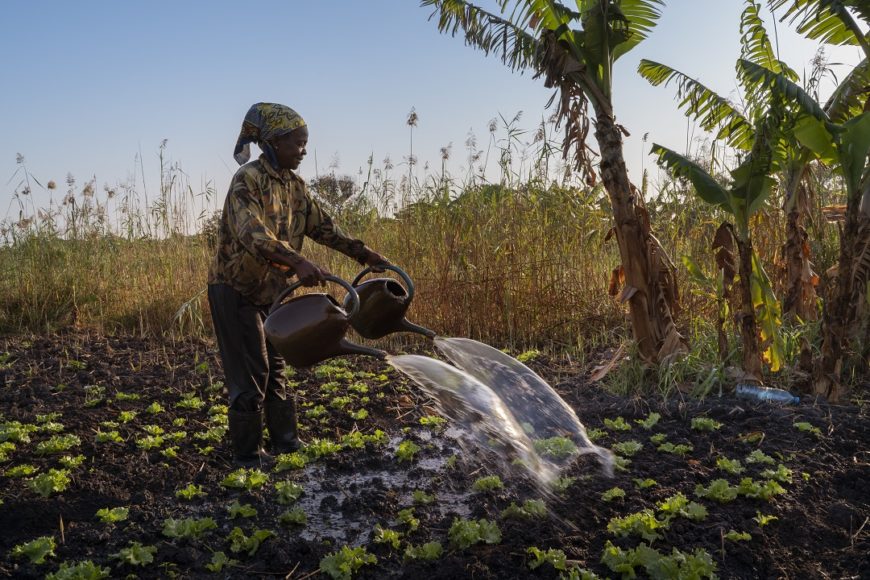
{"points": [[521, 263]]}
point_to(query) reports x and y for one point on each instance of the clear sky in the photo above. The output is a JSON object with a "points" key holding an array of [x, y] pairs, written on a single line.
{"points": [[89, 84]]}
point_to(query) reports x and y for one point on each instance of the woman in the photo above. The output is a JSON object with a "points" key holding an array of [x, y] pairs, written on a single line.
{"points": [[266, 216]]}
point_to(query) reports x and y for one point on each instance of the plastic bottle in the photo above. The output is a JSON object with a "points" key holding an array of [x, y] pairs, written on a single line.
{"points": [[766, 394]]}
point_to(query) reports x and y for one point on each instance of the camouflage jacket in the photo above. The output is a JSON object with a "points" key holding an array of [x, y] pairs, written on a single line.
{"points": [[270, 211]]}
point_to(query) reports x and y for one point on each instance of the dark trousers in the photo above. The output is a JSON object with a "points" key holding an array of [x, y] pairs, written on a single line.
{"points": [[252, 367]]}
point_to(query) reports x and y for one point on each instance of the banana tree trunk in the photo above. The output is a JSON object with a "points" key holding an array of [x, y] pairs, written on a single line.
{"points": [[843, 304], [748, 327], [800, 298], [650, 283]]}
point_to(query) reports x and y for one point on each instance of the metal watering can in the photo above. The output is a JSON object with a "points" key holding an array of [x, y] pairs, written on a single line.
{"points": [[310, 328], [383, 303]]}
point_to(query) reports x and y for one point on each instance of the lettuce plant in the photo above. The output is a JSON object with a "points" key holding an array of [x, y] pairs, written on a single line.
{"points": [[342, 565], [36, 551]]}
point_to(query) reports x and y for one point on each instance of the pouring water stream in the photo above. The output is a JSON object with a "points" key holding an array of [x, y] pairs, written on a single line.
{"points": [[501, 404]]}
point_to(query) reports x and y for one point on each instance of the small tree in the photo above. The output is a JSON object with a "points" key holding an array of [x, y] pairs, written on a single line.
{"points": [[751, 185]]}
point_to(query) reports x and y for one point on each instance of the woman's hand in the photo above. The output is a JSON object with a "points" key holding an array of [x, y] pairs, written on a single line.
{"points": [[309, 273], [374, 259]]}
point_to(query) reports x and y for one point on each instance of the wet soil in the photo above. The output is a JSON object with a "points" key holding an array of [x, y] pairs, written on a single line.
{"points": [[84, 385]]}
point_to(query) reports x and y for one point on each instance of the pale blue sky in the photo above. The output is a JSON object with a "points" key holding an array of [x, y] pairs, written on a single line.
{"points": [[89, 84]]}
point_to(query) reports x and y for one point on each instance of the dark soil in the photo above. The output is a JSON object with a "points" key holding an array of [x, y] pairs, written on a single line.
{"points": [[821, 530]]}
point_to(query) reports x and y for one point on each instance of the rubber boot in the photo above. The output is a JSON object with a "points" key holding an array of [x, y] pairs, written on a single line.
{"points": [[281, 422], [246, 434]]}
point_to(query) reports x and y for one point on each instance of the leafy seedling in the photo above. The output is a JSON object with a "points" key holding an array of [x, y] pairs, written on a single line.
{"points": [[387, 536], [612, 494], [680, 450], [735, 536], [556, 558], [699, 564], [187, 528], [758, 456], [407, 450], [651, 421], [719, 490], [433, 421], [85, 570], [241, 510], [16, 432], [555, 447], [561, 484], [645, 483], [406, 516], [658, 438], [781, 474], [136, 554], [126, 416], [643, 524], [732, 466], [531, 508], [427, 552], [239, 542], [36, 551], [595, 434], [218, 561], [45, 484], [293, 517], [678, 505], [71, 461], [191, 402], [766, 491], [420, 497], [22, 470], [6, 448], [287, 461], [108, 437], [342, 565], [113, 515], [288, 492], [808, 428], [321, 448], [618, 424], [190, 492], [247, 479], [58, 444], [705, 424], [627, 448], [764, 519], [488, 483], [466, 533], [359, 415]]}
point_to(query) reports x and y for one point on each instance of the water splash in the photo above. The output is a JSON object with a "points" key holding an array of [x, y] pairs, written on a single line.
{"points": [[503, 404], [475, 408]]}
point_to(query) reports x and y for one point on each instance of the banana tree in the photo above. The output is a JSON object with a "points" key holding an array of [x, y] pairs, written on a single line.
{"points": [[750, 186], [575, 51], [844, 146], [716, 114]]}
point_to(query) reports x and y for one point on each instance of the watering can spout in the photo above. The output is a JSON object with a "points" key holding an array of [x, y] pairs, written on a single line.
{"points": [[347, 347], [408, 326]]}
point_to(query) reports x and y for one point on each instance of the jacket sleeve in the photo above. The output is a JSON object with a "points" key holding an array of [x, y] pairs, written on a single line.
{"points": [[323, 230], [246, 218]]}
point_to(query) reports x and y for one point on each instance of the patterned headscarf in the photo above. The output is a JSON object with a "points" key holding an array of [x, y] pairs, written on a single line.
{"points": [[263, 122]]}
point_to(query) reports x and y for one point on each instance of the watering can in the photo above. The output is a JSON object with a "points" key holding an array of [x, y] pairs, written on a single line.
{"points": [[310, 328], [383, 303]]}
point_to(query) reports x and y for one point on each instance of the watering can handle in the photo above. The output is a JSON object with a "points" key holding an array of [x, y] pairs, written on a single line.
{"points": [[397, 270], [343, 283]]}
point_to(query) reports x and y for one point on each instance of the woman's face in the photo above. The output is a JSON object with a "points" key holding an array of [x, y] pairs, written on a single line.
{"points": [[290, 148]]}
